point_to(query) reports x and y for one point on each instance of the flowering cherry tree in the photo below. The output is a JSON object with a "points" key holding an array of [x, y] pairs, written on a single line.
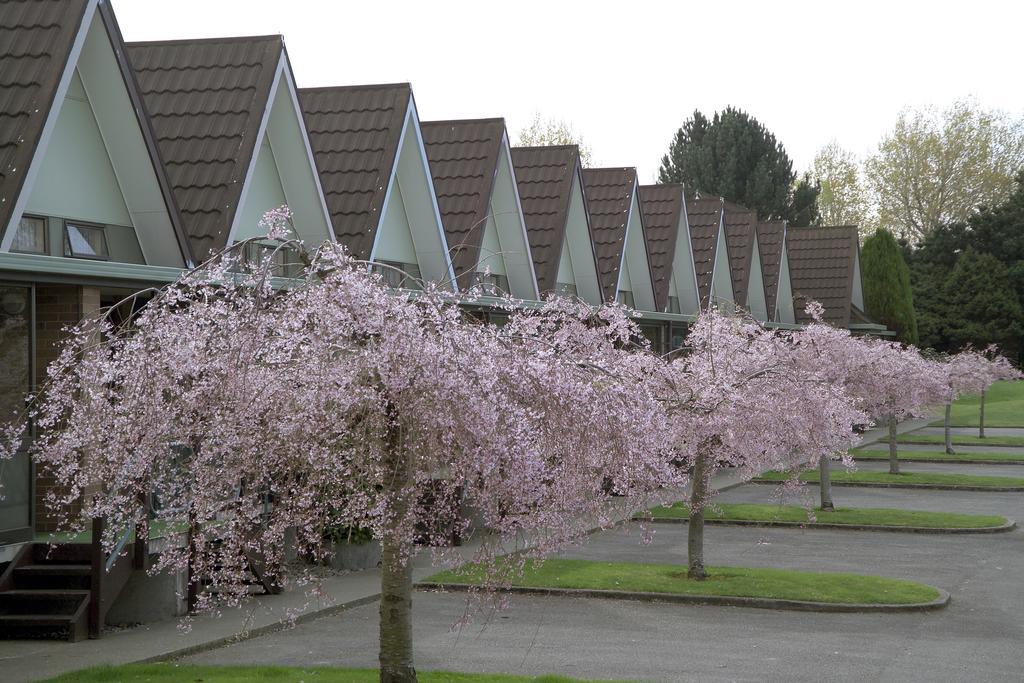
{"points": [[742, 399], [252, 410], [972, 372]]}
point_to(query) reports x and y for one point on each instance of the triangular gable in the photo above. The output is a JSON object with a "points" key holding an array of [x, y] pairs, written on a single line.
{"points": [[745, 259], [554, 207], [226, 115], [771, 240], [721, 278], [374, 171], [73, 143], [477, 196], [669, 249], [704, 221], [619, 240]]}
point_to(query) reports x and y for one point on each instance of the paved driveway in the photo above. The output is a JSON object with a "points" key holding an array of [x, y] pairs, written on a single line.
{"points": [[977, 638]]}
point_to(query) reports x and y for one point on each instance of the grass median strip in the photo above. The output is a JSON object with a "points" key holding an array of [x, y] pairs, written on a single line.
{"points": [[739, 582], [1004, 407], [748, 512], [905, 478], [926, 456], [161, 673], [961, 440]]}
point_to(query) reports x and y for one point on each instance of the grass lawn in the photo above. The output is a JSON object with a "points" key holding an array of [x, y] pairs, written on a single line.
{"points": [[911, 456], [160, 673], [1004, 407], [795, 513], [960, 440], [784, 584], [919, 478]]}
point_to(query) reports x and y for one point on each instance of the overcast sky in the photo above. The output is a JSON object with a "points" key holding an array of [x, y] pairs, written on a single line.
{"points": [[627, 74]]}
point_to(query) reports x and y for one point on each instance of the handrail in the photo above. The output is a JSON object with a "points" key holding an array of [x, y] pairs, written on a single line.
{"points": [[121, 542]]}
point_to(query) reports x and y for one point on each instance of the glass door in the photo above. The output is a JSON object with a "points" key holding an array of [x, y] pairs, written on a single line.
{"points": [[15, 383]]}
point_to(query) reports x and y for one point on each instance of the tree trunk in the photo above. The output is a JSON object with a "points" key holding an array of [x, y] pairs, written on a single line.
{"points": [[981, 418], [825, 479], [396, 663], [946, 425], [894, 463], [695, 533]]}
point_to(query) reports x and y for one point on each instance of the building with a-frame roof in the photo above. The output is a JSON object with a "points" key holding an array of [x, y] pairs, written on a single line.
{"points": [[550, 181], [471, 165], [771, 237], [745, 264], [668, 248], [231, 135], [87, 213], [705, 219], [619, 239], [373, 167]]}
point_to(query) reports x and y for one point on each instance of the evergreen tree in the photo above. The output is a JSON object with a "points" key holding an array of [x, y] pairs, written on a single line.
{"points": [[999, 231], [886, 278], [736, 157], [804, 205], [982, 306]]}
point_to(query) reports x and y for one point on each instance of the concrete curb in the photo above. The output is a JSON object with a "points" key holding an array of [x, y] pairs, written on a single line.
{"points": [[995, 443], [718, 600], [1009, 526], [886, 485], [942, 461], [274, 627]]}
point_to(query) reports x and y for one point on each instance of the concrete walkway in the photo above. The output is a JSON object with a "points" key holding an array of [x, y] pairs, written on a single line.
{"points": [[28, 660]]}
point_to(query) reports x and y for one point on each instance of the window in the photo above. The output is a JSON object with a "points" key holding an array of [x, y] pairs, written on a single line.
{"points": [[673, 305], [626, 298], [284, 261], [85, 241], [491, 283], [31, 236], [398, 275]]}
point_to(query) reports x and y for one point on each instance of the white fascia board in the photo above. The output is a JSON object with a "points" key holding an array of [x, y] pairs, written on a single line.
{"points": [[507, 149], [293, 95], [260, 134], [48, 127]]}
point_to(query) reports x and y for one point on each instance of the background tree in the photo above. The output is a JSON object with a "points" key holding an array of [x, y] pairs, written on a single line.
{"points": [[843, 199], [886, 279], [982, 307], [999, 230], [804, 204], [550, 131], [734, 156], [936, 167]]}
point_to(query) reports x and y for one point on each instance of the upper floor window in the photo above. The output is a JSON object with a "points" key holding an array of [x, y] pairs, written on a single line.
{"points": [[626, 298], [85, 241], [673, 305], [491, 283], [399, 275], [278, 261], [31, 236]]}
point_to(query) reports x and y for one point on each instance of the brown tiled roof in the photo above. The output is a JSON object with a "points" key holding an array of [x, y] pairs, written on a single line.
{"points": [[354, 132], [206, 99], [545, 176], [821, 268], [703, 215], [609, 197], [662, 209], [740, 235], [770, 242], [463, 158]]}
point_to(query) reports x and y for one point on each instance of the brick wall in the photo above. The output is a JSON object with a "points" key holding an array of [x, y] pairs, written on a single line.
{"points": [[57, 306]]}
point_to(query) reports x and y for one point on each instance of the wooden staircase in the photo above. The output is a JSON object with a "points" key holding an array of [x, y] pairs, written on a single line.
{"points": [[62, 592]]}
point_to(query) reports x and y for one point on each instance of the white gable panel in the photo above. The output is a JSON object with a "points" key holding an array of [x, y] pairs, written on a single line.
{"points": [[580, 247], [634, 261], [265, 192], [491, 253], [506, 215], [76, 179], [756, 302], [721, 282], [411, 176], [394, 236], [566, 276], [684, 275], [857, 294], [784, 311]]}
